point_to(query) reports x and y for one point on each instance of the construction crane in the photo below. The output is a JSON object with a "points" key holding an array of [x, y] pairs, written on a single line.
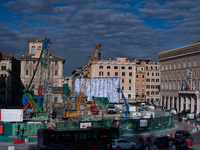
{"points": [[94, 109], [125, 112], [96, 53]]}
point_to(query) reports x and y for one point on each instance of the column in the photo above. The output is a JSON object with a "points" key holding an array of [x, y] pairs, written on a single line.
{"points": [[172, 102], [168, 105], [177, 103], [187, 103], [192, 104], [182, 103], [164, 101], [198, 104]]}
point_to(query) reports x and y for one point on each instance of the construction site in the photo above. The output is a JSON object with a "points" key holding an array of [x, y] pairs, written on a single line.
{"points": [[94, 102]]}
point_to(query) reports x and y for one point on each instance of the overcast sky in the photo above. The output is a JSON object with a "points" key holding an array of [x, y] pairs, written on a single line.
{"points": [[127, 28]]}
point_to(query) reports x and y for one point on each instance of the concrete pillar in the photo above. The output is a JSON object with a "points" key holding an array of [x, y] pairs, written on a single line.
{"points": [[198, 104], [172, 102], [187, 103], [192, 104], [168, 105], [164, 101], [182, 103], [177, 103]]}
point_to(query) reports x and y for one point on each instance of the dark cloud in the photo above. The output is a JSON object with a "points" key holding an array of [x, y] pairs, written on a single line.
{"points": [[122, 27]]}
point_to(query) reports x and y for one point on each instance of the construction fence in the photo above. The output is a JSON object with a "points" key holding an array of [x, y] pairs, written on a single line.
{"points": [[11, 131]]}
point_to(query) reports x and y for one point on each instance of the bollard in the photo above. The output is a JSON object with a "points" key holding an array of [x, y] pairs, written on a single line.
{"points": [[16, 141], [148, 139], [171, 135], [141, 140]]}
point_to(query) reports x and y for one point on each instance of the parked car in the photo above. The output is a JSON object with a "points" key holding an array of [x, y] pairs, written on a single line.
{"points": [[124, 144], [190, 116], [163, 139], [182, 134], [184, 117], [53, 147]]}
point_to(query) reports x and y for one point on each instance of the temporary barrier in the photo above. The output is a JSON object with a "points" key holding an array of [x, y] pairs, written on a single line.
{"points": [[148, 139], [141, 140]]}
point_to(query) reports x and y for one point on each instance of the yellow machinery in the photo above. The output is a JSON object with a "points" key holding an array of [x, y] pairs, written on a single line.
{"points": [[89, 104], [74, 109]]}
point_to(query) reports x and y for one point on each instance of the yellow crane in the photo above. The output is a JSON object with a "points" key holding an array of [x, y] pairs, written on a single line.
{"points": [[96, 53]]}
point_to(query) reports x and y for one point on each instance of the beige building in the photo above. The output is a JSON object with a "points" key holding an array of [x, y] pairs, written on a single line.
{"points": [[28, 65], [120, 68], [152, 70], [180, 78]]}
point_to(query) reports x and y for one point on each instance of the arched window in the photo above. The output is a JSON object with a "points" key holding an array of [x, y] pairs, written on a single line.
{"points": [[33, 50]]}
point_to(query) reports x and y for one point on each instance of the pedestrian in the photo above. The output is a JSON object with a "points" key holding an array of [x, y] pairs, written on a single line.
{"points": [[192, 139]]}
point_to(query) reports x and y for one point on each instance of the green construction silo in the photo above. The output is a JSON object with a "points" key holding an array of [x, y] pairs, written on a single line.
{"points": [[65, 89]]}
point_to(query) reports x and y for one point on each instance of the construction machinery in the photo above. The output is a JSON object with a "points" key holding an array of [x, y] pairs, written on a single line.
{"points": [[125, 112], [94, 109], [87, 76], [45, 92], [30, 105]]}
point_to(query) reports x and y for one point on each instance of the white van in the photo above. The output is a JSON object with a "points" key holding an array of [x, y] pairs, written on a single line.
{"points": [[190, 116]]}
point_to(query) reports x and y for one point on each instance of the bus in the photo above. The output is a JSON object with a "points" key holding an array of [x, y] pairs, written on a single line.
{"points": [[91, 137]]}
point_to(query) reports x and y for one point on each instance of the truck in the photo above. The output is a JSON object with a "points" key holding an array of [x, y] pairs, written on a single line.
{"points": [[111, 109]]}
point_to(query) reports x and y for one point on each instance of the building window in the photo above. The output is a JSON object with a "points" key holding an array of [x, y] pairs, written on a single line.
{"points": [[157, 74], [33, 49], [152, 80], [137, 88], [129, 96], [129, 68], [56, 72], [33, 87], [108, 73], [136, 76], [170, 66], [116, 73], [152, 86], [122, 80], [56, 63], [100, 73], [189, 63], [147, 73], [130, 74], [148, 80], [148, 86], [100, 67], [55, 99], [179, 65], [129, 88], [115, 67], [108, 67], [123, 73], [27, 62], [162, 67], [174, 65], [142, 76], [34, 61], [143, 88], [3, 68], [26, 71], [33, 71], [148, 93], [123, 67], [157, 93], [166, 67], [184, 65], [142, 81], [152, 92], [137, 82], [157, 80], [195, 62], [129, 80], [152, 74], [122, 87]]}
